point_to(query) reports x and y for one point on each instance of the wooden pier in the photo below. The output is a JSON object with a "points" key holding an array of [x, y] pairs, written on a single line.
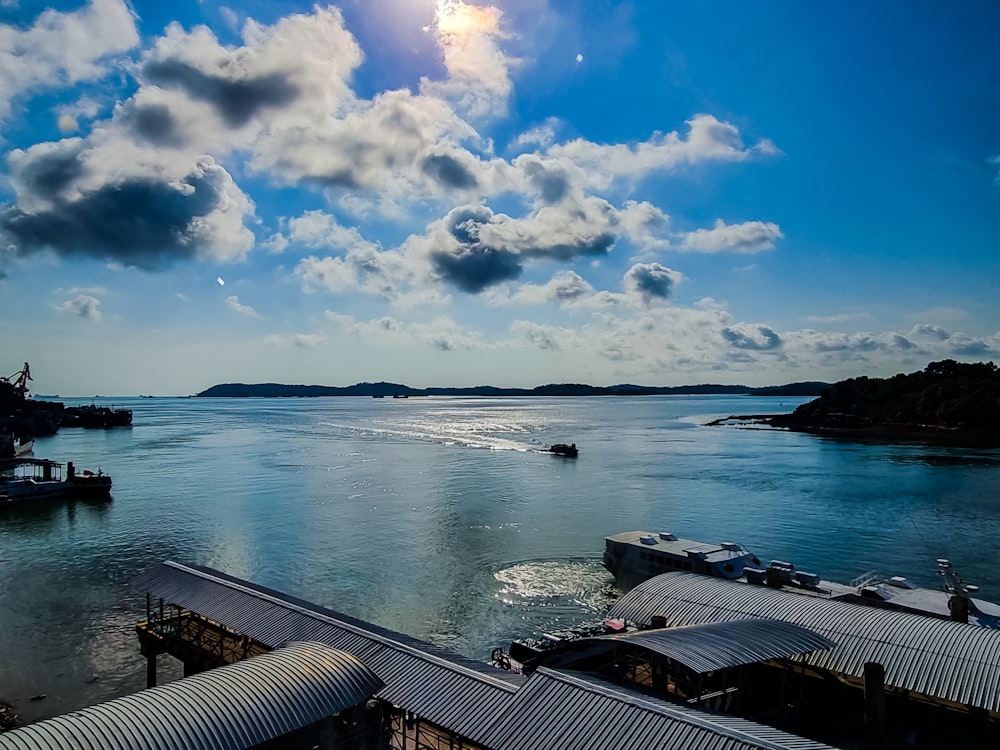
{"points": [[198, 642]]}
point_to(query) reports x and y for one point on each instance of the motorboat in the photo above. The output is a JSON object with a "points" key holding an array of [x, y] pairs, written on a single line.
{"points": [[29, 479], [562, 449]]}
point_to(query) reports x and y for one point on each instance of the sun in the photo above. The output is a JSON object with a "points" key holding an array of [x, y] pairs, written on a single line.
{"points": [[456, 20]]}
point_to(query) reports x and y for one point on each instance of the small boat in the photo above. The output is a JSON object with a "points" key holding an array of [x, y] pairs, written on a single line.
{"points": [[30, 479], [23, 446], [12, 446], [561, 449]]}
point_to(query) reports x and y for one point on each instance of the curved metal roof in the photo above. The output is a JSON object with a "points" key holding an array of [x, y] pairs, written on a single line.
{"points": [[704, 648], [489, 707], [228, 708], [560, 711], [437, 684], [946, 660]]}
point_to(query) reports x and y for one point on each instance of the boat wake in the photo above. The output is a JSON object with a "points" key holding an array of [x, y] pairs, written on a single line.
{"points": [[574, 584], [487, 435]]}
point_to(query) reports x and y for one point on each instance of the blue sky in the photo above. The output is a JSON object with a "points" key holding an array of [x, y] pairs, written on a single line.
{"points": [[518, 193]]}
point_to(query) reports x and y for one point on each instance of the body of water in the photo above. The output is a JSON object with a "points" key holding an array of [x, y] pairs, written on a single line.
{"points": [[440, 518]]}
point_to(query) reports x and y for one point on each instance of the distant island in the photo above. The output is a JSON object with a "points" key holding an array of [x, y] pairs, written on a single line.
{"points": [[947, 400], [395, 390]]}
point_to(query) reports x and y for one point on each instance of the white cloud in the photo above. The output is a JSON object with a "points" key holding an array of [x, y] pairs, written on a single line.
{"points": [[83, 306], [233, 303], [441, 333], [60, 49], [543, 135], [708, 139], [748, 237], [478, 82], [298, 340]]}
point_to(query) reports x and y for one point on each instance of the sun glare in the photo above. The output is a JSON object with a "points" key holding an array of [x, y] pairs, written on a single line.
{"points": [[457, 20]]}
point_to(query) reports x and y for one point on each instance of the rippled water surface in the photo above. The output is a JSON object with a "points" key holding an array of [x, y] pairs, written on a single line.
{"points": [[439, 517]]}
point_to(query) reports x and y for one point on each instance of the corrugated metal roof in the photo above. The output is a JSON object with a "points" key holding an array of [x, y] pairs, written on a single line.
{"points": [[442, 687], [558, 711], [470, 699], [946, 660], [703, 648], [229, 708]]}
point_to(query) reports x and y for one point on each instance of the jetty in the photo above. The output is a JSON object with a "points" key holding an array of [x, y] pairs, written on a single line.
{"points": [[712, 664]]}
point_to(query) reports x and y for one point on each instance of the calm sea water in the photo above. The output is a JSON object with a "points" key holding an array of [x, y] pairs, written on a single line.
{"points": [[438, 517]]}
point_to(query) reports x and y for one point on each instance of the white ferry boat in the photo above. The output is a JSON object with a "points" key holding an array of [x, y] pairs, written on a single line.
{"points": [[635, 556]]}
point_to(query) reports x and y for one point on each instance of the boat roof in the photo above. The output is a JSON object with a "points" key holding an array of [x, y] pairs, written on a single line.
{"points": [[670, 544], [9, 463]]}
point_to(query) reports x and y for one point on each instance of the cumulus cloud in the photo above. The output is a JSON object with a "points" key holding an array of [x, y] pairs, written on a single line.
{"points": [[60, 49], [748, 237], [72, 205], [319, 229], [755, 337], [708, 139], [564, 287], [476, 248], [478, 82], [83, 306]]}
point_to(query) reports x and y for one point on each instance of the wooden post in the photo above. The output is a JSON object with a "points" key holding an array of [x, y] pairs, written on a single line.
{"points": [[151, 670], [874, 697]]}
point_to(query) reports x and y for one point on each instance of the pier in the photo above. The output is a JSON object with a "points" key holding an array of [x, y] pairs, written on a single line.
{"points": [[263, 666]]}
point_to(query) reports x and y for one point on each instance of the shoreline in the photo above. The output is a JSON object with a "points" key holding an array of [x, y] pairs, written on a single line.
{"points": [[873, 432]]}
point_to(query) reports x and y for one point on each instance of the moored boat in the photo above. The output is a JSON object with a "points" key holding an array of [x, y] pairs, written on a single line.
{"points": [[93, 416], [635, 556], [31, 479]]}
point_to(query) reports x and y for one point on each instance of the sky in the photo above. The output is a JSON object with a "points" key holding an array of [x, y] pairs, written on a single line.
{"points": [[512, 194]]}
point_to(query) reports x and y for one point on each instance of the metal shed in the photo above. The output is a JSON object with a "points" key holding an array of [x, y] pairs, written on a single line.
{"points": [[229, 708], [949, 661], [559, 711], [720, 645], [440, 686]]}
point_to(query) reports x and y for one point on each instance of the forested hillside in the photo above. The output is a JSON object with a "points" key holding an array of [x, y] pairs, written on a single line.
{"points": [[946, 395]]}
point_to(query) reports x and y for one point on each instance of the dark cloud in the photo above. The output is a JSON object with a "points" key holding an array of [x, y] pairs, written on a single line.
{"points": [[492, 247], [449, 171], [473, 269], [552, 184], [757, 338], [139, 222], [153, 123], [598, 244], [651, 280], [972, 349], [236, 101], [49, 173]]}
